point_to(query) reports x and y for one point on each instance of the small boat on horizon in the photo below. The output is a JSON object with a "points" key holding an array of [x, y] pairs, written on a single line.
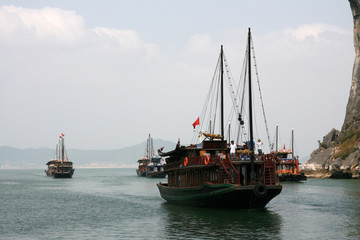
{"points": [[60, 166], [210, 174], [155, 169], [150, 165], [288, 164]]}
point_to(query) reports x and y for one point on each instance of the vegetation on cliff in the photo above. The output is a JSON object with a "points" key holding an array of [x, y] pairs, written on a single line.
{"points": [[348, 143]]}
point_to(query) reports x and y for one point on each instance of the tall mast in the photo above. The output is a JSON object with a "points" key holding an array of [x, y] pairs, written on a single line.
{"points": [[277, 135], [229, 133], [62, 149], [148, 148], [222, 94], [251, 143], [152, 148], [292, 143], [210, 127], [292, 151], [56, 152], [59, 149]]}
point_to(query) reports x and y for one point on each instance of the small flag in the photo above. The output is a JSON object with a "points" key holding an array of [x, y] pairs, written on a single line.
{"points": [[197, 122]]}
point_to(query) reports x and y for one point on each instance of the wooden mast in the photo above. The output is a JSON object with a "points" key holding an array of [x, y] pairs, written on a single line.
{"points": [[222, 97], [251, 143], [292, 143], [277, 134], [148, 147], [292, 151], [62, 149]]}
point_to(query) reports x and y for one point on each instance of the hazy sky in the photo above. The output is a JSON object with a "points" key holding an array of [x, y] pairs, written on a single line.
{"points": [[107, 73]]}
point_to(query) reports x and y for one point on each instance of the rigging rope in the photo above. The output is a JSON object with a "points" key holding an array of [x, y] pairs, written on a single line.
{"points": [[261, 99], [243, 76], [208, 105], [231, 87]]}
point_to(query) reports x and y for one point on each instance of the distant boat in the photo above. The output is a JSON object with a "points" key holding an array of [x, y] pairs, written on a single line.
{"points": [[142, 166], [60, 166], [206, 175], [155, 169], [151, 165], [288, 164]]}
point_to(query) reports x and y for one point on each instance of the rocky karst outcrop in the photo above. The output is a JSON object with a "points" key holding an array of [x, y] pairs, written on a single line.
{"points": [[338, 155], [334, 159]]}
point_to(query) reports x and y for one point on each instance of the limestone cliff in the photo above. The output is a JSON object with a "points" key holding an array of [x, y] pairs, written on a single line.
{"points": [[338, 155]]}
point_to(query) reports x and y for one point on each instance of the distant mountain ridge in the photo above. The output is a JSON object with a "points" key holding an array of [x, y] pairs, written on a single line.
{"points": [[11, 157]]}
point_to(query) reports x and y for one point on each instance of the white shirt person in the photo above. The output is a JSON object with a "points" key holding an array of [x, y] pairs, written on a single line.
{"points": [[258, 145], [232, 150]]}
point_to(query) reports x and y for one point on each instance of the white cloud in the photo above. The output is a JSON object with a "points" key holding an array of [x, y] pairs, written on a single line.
{"points": [[47, 24], [53, 26], [127, 40], [314, 31], [121, 87], [200, 43]]}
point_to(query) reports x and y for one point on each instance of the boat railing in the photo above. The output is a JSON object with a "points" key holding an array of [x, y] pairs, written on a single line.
{"points": [[192, 161], [169, 166], [286, 160], [269, 172], [226, 174], [288, 168], [237, 173]]}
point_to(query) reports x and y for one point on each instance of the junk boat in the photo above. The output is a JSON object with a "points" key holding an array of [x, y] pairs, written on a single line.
{"points": [[206, 175], [288, 164], [60, 166], [151, 165], [142, 166]]}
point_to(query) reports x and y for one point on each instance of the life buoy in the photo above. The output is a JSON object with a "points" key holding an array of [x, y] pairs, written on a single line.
{"points": [[206, 159], [260, 190], [186, 161]]}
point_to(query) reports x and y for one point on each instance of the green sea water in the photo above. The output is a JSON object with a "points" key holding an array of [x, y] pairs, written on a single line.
{"points": [[116, 204]]}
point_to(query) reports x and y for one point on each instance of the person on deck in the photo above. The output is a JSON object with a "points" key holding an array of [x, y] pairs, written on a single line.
{"points": [[232, 150], [258, 145], [253, 145]]}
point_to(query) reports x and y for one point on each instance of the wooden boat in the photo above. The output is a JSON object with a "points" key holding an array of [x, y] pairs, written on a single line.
{"points": [[155, 169], [60, 166], [150, 165], [288, 164], [206, 175], [142, 166], [288, 167]]}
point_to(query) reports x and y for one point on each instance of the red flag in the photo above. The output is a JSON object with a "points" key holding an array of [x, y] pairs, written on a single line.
{"points": [[197, 122], [62, 135]]}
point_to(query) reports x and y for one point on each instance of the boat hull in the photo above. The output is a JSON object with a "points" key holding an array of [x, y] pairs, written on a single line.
{"points": [[155, 174], [49, 173], [63, 174], [221, 195], [141, 173], [292, 177], [56, 174]]}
